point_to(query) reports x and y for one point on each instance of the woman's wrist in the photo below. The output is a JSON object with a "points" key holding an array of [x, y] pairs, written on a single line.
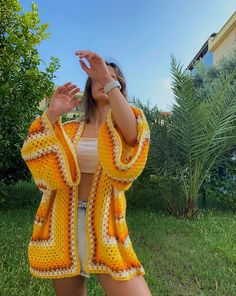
{"points": [[52, 116], [107, 80]]}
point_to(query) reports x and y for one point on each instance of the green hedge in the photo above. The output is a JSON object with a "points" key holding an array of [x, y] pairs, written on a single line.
{"points": [[20, 195]]}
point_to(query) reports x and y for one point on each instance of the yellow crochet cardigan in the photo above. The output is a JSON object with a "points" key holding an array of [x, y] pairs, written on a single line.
{"points": [[50, 154]]}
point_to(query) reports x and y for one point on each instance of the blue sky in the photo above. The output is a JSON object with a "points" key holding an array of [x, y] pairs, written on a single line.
{"points": [[138, 35]]}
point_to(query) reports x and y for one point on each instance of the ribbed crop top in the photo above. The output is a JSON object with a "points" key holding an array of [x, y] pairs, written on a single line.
{"points": [[87, 154]]}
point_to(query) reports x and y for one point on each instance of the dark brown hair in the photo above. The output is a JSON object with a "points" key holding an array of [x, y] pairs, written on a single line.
{"points": [[89, 104]]}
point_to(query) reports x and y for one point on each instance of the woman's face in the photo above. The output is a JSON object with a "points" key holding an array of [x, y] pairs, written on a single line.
{"points": [[98, 92]]}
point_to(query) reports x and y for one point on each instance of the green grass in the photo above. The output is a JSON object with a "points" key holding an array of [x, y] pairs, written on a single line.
{"points": [[180, 257]]}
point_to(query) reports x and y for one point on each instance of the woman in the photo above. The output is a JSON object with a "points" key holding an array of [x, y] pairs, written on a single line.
{"points": [[87, 165]]}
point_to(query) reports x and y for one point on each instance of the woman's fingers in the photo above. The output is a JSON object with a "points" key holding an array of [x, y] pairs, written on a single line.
{"points": [[69, 88], [78, 52], [61, 89], [82, 53], [94, 60], [74, 92], [89, 55], [76, 102], [83, 65]]}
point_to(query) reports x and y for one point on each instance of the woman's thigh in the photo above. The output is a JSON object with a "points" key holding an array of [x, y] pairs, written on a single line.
{"points": [[71, 286], [135, 286]]}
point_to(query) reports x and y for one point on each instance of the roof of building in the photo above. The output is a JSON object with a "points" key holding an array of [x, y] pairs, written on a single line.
{"points": [[201, 53]]}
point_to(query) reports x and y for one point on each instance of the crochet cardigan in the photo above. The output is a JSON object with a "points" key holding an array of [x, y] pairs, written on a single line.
{"points": [[49, 152]]}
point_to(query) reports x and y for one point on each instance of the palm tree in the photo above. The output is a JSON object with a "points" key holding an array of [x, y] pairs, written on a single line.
{"points": [[201, 131]]}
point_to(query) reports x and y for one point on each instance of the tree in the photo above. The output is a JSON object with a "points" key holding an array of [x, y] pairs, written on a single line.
{"points": [[200, 132], [190, 143], [22, 84], [221, 182], [153, 116]]}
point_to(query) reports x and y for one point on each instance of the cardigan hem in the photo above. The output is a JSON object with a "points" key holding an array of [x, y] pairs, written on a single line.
{"points": [[92, 272]]}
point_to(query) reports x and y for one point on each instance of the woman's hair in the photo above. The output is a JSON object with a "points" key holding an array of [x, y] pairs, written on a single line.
{"points": [[89, 104]]}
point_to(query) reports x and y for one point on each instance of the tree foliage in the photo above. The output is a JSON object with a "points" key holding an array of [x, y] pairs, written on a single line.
{"points": [[200, 130], [203, 130], [23, 83], [221, 181]]}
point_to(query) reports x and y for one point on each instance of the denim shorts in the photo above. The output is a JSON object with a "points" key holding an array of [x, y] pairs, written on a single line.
{"points": [[81, 237]]}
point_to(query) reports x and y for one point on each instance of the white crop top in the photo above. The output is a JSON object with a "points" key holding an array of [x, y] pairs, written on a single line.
{"points": [[87, 154]]}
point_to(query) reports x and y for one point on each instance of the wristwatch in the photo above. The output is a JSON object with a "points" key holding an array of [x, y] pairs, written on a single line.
{"points": [[110, 85]]}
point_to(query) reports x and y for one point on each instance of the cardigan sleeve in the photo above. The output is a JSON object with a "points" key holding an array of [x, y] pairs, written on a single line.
{"points": [[49, 155], [121, 162]]}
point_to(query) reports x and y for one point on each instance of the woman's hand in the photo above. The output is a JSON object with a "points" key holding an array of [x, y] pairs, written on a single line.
{"points": [[62, 102], [98, 70]]}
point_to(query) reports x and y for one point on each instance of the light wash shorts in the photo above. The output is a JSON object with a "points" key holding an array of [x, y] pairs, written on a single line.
{"points": [[81, 236]]}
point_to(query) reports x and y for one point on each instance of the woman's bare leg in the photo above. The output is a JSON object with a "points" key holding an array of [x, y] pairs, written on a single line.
{"points": [[135, 286], [71, 286]]}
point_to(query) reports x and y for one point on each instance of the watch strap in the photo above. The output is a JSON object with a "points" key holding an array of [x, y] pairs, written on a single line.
{"points": [[110, 85]]}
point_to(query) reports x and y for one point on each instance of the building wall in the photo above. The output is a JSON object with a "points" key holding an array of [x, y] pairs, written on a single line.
{"points": [[225, 48], [219, 45], [224, 43]]}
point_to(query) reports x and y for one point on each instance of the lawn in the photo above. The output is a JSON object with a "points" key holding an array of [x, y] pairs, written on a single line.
{"points": [[180, 257]]}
